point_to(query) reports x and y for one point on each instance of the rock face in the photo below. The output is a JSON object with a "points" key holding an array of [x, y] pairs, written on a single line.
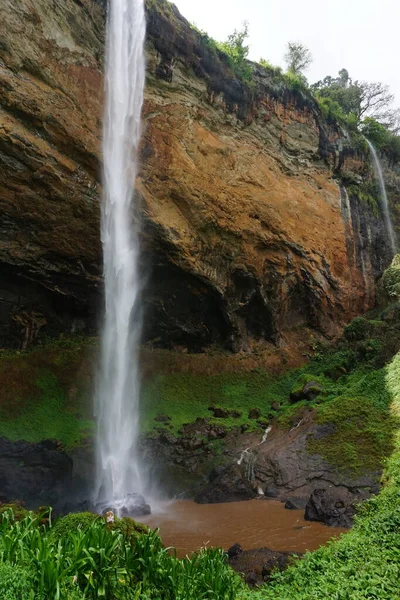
{"points": [[229, 485], [39, 474], [245, 233], [282, 468], [334, 506]]}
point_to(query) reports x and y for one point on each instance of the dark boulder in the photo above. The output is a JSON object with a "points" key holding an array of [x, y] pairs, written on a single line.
{"points": [[256, 566], [132, 505], [334, 506], [230, 485], [224, 413], [162, 418], [234, 551], [306, 391], [295, 503], [254, 413], [35, 473]]}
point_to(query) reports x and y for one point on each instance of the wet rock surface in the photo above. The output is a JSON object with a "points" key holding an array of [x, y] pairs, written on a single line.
{"points": [[334, 506], [280, 468], [229, 485], [37, 474], [131, 505]]}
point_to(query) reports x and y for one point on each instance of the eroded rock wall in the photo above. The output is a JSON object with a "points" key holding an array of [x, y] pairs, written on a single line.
{"points": [[246, 235]]}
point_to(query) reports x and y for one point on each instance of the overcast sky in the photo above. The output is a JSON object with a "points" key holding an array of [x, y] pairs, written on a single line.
{"points": [[359, 35]]}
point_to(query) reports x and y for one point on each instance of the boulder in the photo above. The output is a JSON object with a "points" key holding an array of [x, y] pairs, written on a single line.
{"points": [[162, 418], [235, 550], [305, 388], [334, 506], [257, 565], [295, 503], [224, 413], [254, 413]]}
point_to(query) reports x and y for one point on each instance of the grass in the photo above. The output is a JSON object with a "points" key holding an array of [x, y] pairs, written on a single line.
{"points": [[45, 392], [185, 398]]}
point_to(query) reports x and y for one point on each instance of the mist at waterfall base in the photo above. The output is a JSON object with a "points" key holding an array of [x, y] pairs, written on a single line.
{"points": [[385, 202], [119, 474]]}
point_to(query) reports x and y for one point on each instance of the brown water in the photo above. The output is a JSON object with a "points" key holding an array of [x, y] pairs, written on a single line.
{"points": [[188, 526]]}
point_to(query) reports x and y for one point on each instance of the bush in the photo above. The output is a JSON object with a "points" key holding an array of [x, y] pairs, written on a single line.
{"points": [[357, 330], [391, 278]]}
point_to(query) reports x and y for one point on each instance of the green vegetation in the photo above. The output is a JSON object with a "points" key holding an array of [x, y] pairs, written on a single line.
{"points": [[82, 558], [45, 391], [363, 564], [391, 278]]}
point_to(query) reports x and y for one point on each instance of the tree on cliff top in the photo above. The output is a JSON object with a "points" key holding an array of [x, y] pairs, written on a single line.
{"points": [[359, 98], [298, 58], [237, 50]]}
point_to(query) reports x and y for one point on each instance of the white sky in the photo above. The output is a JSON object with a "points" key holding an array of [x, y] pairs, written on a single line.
{"points": [[359, 35]]}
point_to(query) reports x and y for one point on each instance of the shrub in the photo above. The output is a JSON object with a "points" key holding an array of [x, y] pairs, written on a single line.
{"points": [[391, 278], [357, 330]]}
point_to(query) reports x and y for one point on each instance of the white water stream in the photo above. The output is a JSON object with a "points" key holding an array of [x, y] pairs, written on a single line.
{"points": [[118, 472], [385, 201]]}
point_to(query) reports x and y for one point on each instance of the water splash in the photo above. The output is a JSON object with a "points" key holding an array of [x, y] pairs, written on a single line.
{"points": [[118, 473], [385, 201]]}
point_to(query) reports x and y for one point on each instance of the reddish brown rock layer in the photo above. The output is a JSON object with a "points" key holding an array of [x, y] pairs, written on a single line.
{"points": [[245, 233]]}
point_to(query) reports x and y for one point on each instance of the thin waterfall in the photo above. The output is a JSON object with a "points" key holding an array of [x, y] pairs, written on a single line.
{"points": [[385, 201], [118, 472]]}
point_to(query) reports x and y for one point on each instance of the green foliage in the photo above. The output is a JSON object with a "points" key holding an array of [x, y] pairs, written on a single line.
{"points": [[304, 379], [298, 58], [237, 51], [83, 557], [15, 583], [363, 564], [40, 397], [276, 72], [296, 82], [357, 330], [375, 132], [391, 278], [366, 194], [234, 49]]}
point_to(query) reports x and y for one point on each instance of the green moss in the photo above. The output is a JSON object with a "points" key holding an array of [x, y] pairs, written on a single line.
{"points": [[45, 392], [16, 509], [306, 378], [184, 398], [362, 434], [64, 525], [47, 417]]}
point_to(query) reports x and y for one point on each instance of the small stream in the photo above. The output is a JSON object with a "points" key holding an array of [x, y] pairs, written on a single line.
{"points": [[188, 526]]}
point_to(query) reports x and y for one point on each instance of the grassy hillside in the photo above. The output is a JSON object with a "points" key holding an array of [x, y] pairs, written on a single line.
{"points": [[364, 563]]}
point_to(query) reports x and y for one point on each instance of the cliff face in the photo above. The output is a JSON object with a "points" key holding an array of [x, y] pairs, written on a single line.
{"points": [[245, 233]]}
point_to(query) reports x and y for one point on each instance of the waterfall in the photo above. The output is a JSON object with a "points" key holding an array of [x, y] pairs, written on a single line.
{"points": [[385, 201], [118, 473]]}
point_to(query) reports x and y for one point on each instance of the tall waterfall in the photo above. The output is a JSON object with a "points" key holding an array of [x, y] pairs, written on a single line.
{"points": [[118, 476], [385, 202]]}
